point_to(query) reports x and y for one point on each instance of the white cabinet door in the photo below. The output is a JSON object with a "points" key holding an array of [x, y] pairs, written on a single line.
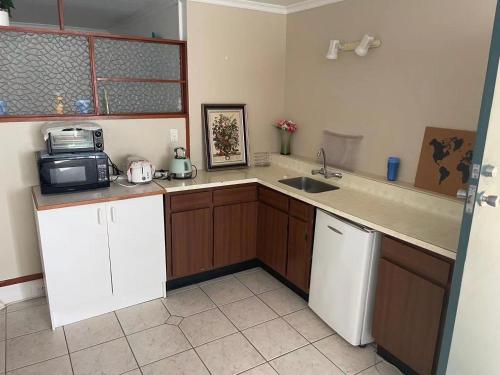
{"points": [[137, 249], [75, 255]]}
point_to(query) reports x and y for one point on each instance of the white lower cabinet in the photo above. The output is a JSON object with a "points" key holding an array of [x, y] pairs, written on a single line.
{"points": [[102, 257]]}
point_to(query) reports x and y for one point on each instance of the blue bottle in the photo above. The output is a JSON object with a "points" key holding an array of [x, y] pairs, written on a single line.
{"points": [[392, 168]]}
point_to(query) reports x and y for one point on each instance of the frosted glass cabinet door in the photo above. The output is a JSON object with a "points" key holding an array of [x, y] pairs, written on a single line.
{"points": [[137, 249], [75, 254]]}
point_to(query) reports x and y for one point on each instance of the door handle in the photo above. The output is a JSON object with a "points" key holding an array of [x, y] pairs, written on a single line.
{"points": [[113, 214], [335, 230]]}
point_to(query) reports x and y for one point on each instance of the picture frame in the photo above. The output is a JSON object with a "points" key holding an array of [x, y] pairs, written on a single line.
{"points": [[226, 136]]}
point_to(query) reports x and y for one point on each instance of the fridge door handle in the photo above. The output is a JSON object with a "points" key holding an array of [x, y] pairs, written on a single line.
{"points": [[335, 230]]}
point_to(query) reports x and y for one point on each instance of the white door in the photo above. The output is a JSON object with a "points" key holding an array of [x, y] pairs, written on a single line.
{"points": [[75, 255], [137, 249], [475, 340]]}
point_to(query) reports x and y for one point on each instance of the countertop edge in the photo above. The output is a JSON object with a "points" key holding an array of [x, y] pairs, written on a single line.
{"points": [[95, 200], [414, 241]]}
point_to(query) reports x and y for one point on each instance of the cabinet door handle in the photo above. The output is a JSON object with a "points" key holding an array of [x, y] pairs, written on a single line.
{"points": [[99, 216], [113, 215], [335, 230]]}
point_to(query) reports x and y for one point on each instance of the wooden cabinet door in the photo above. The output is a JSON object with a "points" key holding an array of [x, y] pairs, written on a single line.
{"points": [[407, 316], [235, 231], [272, 237], [137, 247], [298, 269], [75, 255], [192, 246]]}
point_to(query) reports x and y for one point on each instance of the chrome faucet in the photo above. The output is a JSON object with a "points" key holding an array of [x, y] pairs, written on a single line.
{"points": [[324, 170]]}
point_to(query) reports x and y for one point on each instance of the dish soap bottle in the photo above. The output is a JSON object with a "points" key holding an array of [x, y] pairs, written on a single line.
{"points": [[59, 105]]}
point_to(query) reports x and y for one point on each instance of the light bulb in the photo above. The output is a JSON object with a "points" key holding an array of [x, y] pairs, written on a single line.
{"points": [[364, 45], [333, 50]]}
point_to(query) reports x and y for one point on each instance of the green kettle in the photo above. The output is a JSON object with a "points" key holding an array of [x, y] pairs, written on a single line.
{"points": [[180, 165]]}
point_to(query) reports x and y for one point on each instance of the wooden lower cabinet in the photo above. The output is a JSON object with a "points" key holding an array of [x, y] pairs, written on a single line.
{"points": [[192, 242], [272, 237], [214, 228], [298, 269], [235, 232], [410, 301]]}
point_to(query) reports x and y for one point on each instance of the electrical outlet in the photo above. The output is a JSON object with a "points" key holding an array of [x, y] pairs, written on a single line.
{"points": [[174, 136]]}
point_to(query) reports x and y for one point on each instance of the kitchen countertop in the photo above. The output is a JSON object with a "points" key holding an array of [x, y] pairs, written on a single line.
{"points": [[113, 193], [429, 230]]}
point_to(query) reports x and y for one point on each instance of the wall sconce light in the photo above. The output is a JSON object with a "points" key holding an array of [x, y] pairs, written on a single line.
{"points": [[359, 47]]}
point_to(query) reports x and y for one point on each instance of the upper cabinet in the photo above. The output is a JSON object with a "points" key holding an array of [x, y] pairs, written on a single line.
{"points": [[75, 72]]}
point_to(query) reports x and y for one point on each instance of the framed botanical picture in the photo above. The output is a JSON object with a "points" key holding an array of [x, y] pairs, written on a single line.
{"points": [[226, 136]]}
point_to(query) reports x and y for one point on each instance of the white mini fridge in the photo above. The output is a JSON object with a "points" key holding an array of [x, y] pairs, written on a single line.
{"points": [[343, 276]]}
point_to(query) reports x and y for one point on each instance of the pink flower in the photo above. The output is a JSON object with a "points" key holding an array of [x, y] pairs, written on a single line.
{"points": [[286, 125]]}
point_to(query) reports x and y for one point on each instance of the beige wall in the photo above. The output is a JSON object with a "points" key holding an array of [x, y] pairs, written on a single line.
{"points": [[429, 72], [19, 254], [236, 56]]}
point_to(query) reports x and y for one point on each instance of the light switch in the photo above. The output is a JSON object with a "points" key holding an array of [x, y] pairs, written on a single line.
{"points": [[174, 136]]}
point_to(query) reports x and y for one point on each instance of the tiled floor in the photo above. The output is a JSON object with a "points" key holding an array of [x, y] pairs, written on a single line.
{"points": [[246, 323]]}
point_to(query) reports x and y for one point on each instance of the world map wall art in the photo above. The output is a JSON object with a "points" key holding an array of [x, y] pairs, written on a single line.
{"points": [[445, 160]]}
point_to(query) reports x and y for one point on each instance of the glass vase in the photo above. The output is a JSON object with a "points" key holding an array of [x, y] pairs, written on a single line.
{"points": [[286, 138]]}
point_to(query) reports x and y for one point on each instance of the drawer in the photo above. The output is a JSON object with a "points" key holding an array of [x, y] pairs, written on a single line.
{"points": [[301, 210], [273, 199], [240, 194], [416, 260], [190, 201]]}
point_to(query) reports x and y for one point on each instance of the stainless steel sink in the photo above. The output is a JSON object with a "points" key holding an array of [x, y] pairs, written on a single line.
{"points": [[309, 185]]}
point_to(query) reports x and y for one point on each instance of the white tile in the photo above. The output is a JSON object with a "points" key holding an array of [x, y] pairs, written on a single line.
{"points": [[188, 302], [185, 363], [309, 325], [27, 303], [229, 355], [140, 317], [305, 361], [110, 358], [157, 343], [350, 359], [28, 320], [382, 368], [259, 281], [264, 369], [250, 270], [226, 291], [216, 280], [37, 347], [174, 320], [283, 301], [92, 331], [248, 312], [206, 326], [2, 325], [274, 338], [2, 357], [182, 289], [134, 372], [56, 366]]}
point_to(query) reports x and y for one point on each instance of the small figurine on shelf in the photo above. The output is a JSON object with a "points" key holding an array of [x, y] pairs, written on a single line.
{"points": [[59, 105]]}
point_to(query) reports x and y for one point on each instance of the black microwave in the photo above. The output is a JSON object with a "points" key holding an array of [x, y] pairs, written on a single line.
{"points": [[72, 172]]}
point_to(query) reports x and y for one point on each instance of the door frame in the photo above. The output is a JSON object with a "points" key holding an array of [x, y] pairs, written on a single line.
{"points": [[482, 130]]}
